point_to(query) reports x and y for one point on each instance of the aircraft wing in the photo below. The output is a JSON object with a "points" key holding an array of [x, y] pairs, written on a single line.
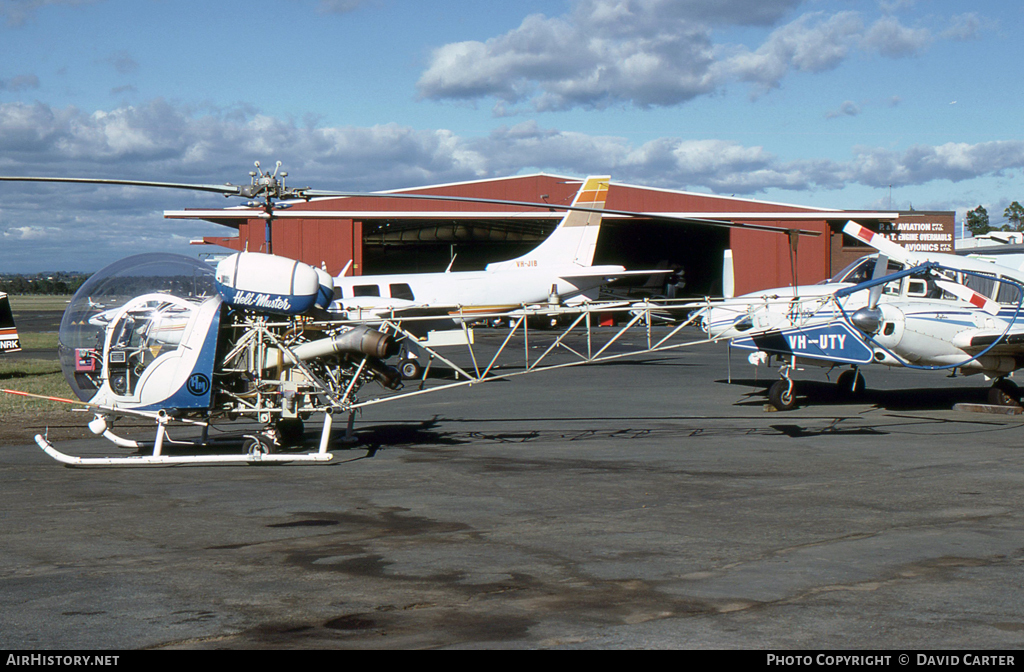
{"points": [[976, 340], [610, 275]]}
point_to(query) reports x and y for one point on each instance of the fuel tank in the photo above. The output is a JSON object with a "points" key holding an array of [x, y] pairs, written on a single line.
{"points": [[272, 283]]}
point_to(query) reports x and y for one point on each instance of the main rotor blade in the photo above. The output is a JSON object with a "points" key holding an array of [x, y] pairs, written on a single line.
{"points": [[226, 189], [235, 190], [315, 193]]}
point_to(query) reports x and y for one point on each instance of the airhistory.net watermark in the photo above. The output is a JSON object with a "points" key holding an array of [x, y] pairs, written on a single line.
{"points": [[59, 660]]}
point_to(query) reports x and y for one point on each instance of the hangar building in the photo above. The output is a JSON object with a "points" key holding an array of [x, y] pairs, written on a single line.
{"points": [[380, 234]]}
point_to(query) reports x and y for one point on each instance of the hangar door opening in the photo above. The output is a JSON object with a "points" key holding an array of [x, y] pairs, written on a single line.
{"points": [[696, 251]]}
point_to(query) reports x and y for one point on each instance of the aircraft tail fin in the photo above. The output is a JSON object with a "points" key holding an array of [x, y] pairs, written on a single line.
{"points": [[575, 238], [8, 332]]}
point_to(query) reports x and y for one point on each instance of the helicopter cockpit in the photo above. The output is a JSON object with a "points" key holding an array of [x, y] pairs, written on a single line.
{"points": [[128, 315]]}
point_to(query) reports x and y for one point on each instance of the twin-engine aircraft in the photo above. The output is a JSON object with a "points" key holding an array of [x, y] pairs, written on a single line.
{"points": [[925, 311]]}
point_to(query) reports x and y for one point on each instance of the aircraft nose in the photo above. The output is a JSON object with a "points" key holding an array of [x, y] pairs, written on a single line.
{"points": [[725, 323], [867, 319]]}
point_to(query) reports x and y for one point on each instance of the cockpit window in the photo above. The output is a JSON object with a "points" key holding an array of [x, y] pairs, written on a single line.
{"points": [[854, 270], [862, 270], [985, 284], [1008, 293]]}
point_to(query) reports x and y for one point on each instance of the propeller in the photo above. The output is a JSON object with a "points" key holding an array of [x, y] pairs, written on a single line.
{"points": [[869, 318], [897, 252]]}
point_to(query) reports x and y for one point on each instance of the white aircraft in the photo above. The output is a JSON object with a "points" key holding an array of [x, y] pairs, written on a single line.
{"points": [[917, 310], [560, 268]]}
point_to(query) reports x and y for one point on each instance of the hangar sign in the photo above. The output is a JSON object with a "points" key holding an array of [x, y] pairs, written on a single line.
{"points": [[923, 236]]}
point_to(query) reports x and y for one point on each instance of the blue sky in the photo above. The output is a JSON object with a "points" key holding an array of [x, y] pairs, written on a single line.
{"points": [[835, 103]]}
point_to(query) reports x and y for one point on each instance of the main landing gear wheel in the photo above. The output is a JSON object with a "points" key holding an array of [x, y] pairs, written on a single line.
{"points": [[1004, 393], [850, 383], [257, 445], [781, 395], [410, 369]]}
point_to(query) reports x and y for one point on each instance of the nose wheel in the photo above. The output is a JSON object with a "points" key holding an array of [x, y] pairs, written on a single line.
{"points": [[782, 395]]}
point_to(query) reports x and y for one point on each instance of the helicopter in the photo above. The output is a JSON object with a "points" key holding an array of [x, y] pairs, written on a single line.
{"points": [[897, 308], [180, 342], [184, 344]]}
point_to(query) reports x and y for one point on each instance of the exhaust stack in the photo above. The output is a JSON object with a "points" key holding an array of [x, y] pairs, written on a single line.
{"points": [[355, 341]]}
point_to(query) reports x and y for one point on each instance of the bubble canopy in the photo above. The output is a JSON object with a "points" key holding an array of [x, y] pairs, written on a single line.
{"points": [[83, 327]]}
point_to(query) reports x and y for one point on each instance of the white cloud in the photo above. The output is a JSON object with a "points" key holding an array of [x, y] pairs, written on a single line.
{"points": [[163, 142], [652, 53], [558, 63], [965, 27], [30, 233], [921, 164], [812, 43], [889, 38]]}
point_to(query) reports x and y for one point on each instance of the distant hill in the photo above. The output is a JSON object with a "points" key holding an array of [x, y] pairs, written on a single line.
{"points": [[61, 282]]}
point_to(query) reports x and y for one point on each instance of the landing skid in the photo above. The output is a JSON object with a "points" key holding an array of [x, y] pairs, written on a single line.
{"points": [[257, 452]]}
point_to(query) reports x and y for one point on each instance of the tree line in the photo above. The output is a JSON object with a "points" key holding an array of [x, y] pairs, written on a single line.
{"points": [[42, 283], [978, 224]]}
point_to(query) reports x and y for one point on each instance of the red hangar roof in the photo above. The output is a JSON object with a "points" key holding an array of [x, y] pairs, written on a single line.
{"points": [[328, 231]]}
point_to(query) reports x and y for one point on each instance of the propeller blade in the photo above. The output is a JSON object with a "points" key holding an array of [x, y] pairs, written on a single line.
{"points": [[967, 294], [728, 275], [877, 241], [881, 268]]}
